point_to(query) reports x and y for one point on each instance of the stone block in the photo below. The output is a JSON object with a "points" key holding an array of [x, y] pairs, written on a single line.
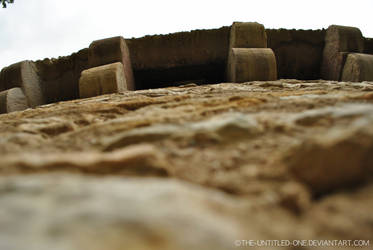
{"points": [[339, 39], [247, 35], [12, 100], [358, 68], [111, 50], [23, 75], [257, 64], [102, 80]]}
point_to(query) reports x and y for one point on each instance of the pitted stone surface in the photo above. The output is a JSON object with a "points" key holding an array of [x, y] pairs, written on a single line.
{"points": [[187, 167]]}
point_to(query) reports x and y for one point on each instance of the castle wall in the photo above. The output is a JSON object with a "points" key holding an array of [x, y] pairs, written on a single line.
{"points": [[199, 56], [164, 60], [60, 76], [368, 46], [298, 52]]}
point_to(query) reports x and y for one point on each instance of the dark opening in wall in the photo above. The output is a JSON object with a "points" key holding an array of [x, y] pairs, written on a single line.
{"points": [[198, 74], [198, 56]]}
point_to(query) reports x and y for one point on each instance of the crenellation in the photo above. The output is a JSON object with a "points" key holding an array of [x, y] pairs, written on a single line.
{"points": [[199, 56]]}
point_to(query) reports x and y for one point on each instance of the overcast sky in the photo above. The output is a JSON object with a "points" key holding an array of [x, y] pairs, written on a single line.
{"points": [[35, 29]]}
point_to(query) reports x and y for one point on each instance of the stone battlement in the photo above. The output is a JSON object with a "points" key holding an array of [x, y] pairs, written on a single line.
{"points": [[199, 56]]}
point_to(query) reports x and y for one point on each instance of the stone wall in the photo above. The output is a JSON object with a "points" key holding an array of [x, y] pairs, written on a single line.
{"points": [[298, 52], [164, 60], [199, 56], [368, 46], [60, 76]]}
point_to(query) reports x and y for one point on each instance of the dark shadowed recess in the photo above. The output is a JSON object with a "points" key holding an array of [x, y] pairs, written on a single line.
{"points": [[198, 74]]}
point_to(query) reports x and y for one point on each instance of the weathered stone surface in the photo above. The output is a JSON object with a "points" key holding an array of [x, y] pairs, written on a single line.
{"points": [[247, 35], [71, 212], [112, 50], [167, 60], [339, 39], [106, 79], [201, 56], [198, 47], [23, 75], [251, 65], [340, 157], [368, 46], [298, 52], [60, 77], [136, 160], [12, 100], [341, 212], [358, 68], [296, 154]]}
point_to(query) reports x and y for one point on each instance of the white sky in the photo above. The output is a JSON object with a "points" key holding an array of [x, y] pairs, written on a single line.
{"points": [[35, 29]]}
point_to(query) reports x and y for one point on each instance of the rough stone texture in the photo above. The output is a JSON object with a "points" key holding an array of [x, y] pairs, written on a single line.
{"points": [[251, 65], [247, 35], [25, 76], [296, 154], [106, 79], [60, 77], [112, 50], [298, 52], [339, 39], [358, 68], [165, 60], [12, 100], [368, 46], [199, 56], [136, 160], [197, 47]]}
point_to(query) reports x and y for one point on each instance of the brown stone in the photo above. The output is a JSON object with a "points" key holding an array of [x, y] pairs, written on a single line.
{"points": [[251, 65], [12, 100], [138, 160], [60, 76], [23, 75], [102, 80], [224, 152], [197, 47], [298, 52], [339, 39], [112, 50], [358, 68], [247, 35], [339, 158]]}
